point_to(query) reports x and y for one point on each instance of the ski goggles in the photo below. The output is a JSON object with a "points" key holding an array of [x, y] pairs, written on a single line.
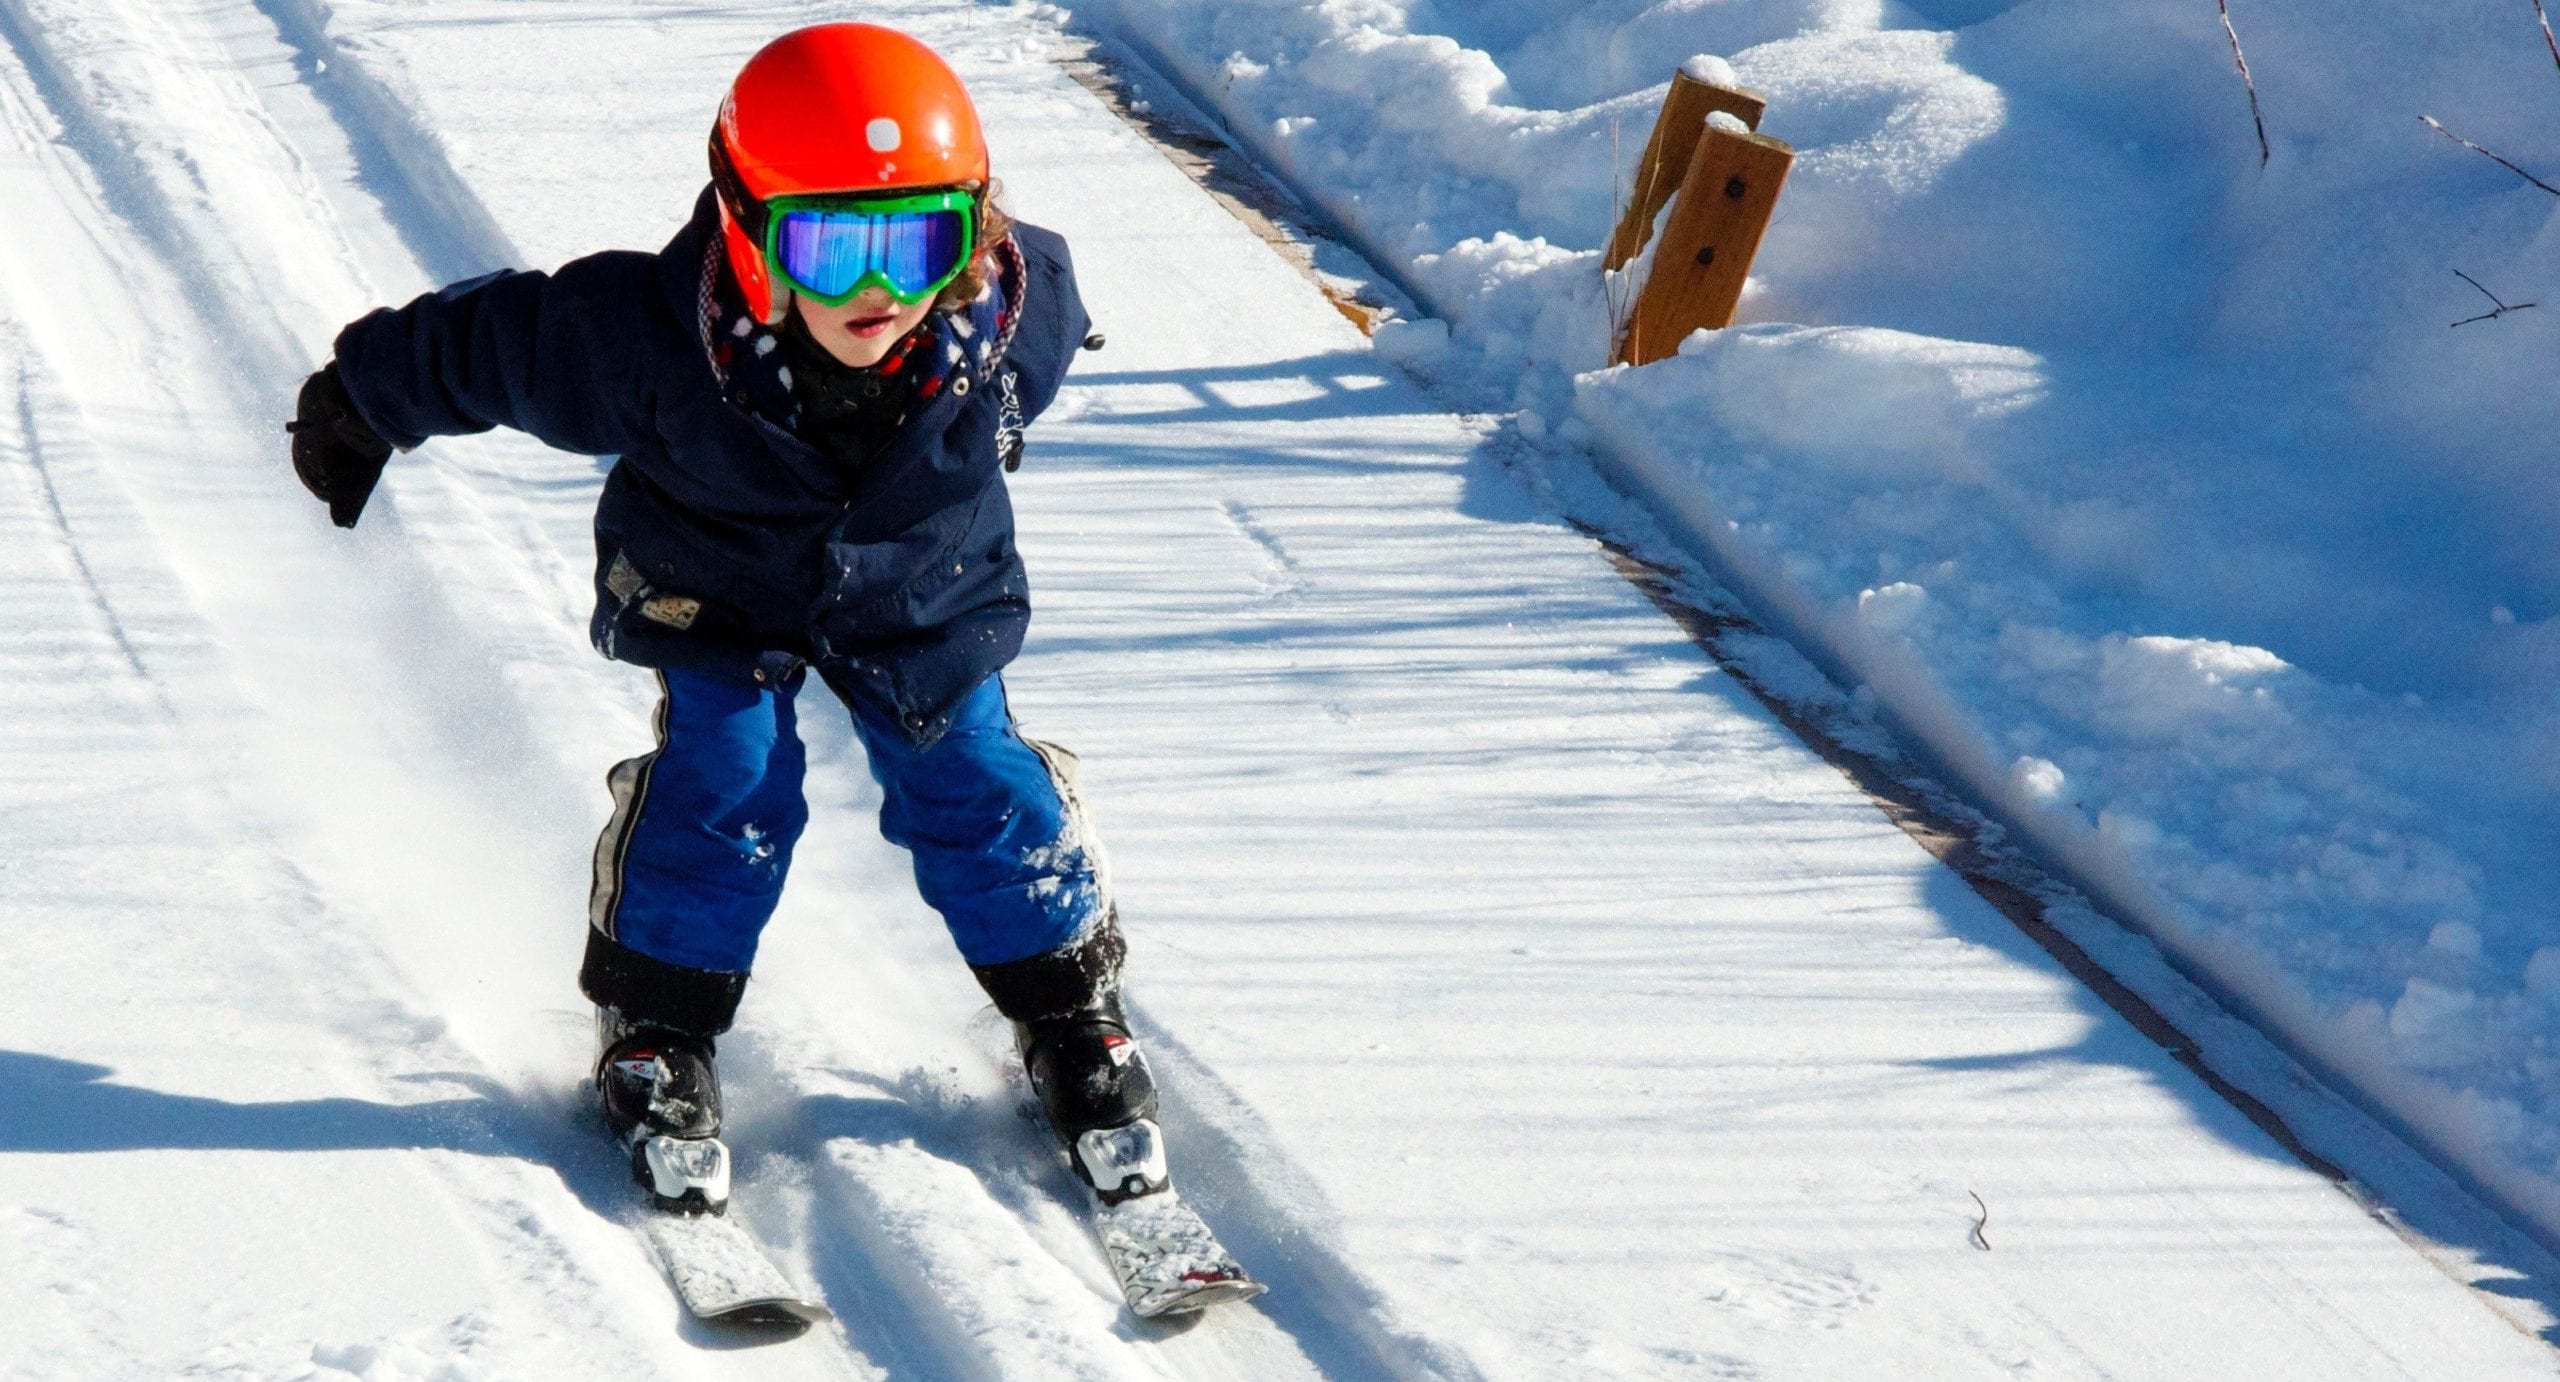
{"points": [[831, 248]]}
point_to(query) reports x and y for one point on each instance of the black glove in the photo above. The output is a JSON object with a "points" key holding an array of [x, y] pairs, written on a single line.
{"points": [[337, 455]]}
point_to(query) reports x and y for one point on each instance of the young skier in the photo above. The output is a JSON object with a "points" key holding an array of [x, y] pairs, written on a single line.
{"points": [[812, 393]]}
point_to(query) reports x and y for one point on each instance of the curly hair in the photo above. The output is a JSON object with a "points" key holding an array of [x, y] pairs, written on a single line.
{"points": [[994, 224]]}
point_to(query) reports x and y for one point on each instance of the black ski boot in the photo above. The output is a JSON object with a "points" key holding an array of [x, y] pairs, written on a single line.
{"points": [[661, 1096], [1093, 1082]]}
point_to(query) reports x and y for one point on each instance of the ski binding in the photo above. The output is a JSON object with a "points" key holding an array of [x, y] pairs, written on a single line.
{"points": [[685, 1175]]}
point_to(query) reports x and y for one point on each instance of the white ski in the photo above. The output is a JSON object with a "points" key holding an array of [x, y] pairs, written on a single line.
{"points": [[1165, 1257], [721, 1274]]}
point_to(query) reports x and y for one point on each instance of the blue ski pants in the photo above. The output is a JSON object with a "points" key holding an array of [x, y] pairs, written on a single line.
{"points": [[692, 863]]}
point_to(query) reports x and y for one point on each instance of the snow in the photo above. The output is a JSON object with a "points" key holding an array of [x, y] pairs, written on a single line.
{"points": [[1531, 1002], [1708, 68], [2152, 490]]}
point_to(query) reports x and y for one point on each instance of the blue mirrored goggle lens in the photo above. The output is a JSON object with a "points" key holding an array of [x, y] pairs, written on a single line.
{"points": [[827, 252]]}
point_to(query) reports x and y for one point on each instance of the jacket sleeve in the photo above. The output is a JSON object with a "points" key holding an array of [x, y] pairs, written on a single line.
{"points": [[1054, 324], [559, 355]]}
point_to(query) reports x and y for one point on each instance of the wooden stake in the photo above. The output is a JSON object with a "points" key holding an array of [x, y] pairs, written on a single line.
{"points": [[1724, 203], [1685, 108]]}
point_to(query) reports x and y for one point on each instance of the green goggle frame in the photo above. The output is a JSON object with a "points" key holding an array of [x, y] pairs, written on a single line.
{"points": [[832, 247]]}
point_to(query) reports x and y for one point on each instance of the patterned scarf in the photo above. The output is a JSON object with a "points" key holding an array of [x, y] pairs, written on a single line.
{"points": [[755, 374]]}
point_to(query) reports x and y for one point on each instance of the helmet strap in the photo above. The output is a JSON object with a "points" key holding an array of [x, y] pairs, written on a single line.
{"points": [[743, 205], [751, 215]]}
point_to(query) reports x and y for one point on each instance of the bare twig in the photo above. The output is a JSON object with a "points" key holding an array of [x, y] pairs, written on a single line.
{"points": [[2547, 40], [2458, 139], [1649, 177], [2503, 308], [2242, 61], [1614, 291], [1982, 1223]]}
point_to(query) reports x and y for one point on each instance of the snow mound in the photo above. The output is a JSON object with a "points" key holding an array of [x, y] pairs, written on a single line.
{"points": [[2153, 485]]}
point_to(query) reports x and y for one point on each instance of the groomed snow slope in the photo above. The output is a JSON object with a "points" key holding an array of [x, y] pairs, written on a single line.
{"points": [[1533, 1004], [2190, 505]]}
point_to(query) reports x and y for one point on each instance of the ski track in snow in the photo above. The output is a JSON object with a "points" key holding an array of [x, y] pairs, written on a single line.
{"points": [[1280, 578], [905, 1201], [327, 795]]}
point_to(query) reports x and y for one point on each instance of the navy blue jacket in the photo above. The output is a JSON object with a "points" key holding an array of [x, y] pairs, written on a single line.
{"points": [[723, 540]]}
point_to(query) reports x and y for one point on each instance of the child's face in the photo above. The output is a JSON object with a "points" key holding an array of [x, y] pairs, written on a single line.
{"points": [[860, 332]]}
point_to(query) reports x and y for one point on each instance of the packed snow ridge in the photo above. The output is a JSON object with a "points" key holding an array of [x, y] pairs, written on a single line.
{"points": [[2155, 489]]}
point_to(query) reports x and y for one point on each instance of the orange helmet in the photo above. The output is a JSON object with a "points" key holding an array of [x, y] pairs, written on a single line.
{"points": [[835, 108]]}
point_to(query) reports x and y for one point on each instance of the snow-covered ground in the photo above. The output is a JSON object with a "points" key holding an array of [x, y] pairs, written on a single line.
{"points": [[2156, 491], [1533, 1004]]}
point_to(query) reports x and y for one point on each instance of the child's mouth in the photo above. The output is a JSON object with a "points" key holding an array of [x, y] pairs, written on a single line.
{"points": [[870, 327]]}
